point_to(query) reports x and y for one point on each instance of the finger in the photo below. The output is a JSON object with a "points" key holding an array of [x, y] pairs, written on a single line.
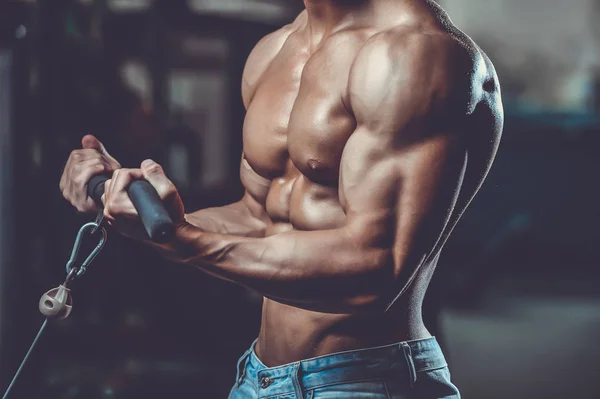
{"points": [[108, 191], [73, 184], [87, 169], [62, 183], [155, 175], [118, 199], [79, 157], [87, 153], [92, 205], [104, 197], [123, 177]]}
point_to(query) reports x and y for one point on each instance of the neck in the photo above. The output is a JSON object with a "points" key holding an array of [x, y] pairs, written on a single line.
{"points": [[324, 15]]}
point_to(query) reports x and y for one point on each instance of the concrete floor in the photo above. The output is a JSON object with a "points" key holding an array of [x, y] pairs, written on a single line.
{"points": [[526, 346]]}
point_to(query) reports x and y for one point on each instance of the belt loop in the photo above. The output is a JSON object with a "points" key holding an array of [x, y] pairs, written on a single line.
{"points": [[241, 367], [296, 380], [411, 364]]}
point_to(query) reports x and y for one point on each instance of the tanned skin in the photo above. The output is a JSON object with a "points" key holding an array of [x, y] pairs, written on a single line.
{"points": [[370, 126]]}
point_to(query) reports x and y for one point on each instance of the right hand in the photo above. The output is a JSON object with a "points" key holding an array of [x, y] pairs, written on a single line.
{"points": [[91, 160]]}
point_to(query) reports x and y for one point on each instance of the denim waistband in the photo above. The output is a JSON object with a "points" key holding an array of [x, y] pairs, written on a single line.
{"points": [[391, 361]]}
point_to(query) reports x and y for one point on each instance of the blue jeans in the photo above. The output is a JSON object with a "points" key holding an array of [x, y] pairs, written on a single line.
{"points": [[407, 370]]}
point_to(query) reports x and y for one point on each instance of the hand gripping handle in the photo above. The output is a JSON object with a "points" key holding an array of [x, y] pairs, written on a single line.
{"points": [[145, 199]]}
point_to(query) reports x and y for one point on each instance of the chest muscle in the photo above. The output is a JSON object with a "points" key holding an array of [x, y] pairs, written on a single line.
{"points": [[295, 132]]}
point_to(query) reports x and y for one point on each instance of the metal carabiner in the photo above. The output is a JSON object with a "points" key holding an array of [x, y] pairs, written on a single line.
{"points": [[88, 226]]}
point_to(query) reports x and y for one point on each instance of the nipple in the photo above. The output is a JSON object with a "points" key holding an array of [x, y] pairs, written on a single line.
{"points": [[315, 165]]}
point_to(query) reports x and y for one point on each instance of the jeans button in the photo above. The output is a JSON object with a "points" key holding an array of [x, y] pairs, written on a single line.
{"points": [[265, 382]]}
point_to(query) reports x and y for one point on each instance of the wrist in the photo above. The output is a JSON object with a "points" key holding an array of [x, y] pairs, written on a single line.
{"points": [[177, 246]]}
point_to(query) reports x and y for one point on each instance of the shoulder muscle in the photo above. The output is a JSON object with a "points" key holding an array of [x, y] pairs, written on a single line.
{"points": [[261, 57], [401, 76]]}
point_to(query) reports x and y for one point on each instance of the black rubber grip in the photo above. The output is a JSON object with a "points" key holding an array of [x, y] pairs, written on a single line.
{"points": [[145, 199]]}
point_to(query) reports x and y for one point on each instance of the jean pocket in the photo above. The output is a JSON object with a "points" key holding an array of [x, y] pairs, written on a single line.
{"points": [[436, 384], [371, 389]]}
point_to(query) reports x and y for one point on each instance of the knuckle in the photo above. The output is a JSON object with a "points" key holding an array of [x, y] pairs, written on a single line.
{"points": [[76, 155], [91, 152], [154, 169], [96, 158], [79, 180]]}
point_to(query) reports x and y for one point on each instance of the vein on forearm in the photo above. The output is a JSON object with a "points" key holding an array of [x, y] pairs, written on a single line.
{"points": [[299, 266]]}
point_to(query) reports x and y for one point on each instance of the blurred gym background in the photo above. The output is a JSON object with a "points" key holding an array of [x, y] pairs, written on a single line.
{"points": [[516, 301]]}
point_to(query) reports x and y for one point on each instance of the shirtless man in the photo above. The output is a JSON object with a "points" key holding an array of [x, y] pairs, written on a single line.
{"points": [[370, 126]]}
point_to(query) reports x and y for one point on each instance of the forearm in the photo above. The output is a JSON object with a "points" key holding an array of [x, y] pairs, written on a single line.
{"points": [[309, 267], [233, 219]]}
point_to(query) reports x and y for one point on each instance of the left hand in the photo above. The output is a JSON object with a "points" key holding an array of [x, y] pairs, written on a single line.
{"points": [[118, 208]]}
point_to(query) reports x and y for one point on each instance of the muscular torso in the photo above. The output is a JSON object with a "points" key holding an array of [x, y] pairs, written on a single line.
{"points": [[297, 124]]}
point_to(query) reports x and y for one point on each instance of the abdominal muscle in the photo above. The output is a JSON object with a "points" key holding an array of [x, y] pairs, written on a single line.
{"points": [[289, 333]]}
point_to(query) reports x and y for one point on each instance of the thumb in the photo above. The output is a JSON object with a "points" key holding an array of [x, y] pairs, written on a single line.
{"points": [[92, 142], [166, 190], [156, 176]]}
